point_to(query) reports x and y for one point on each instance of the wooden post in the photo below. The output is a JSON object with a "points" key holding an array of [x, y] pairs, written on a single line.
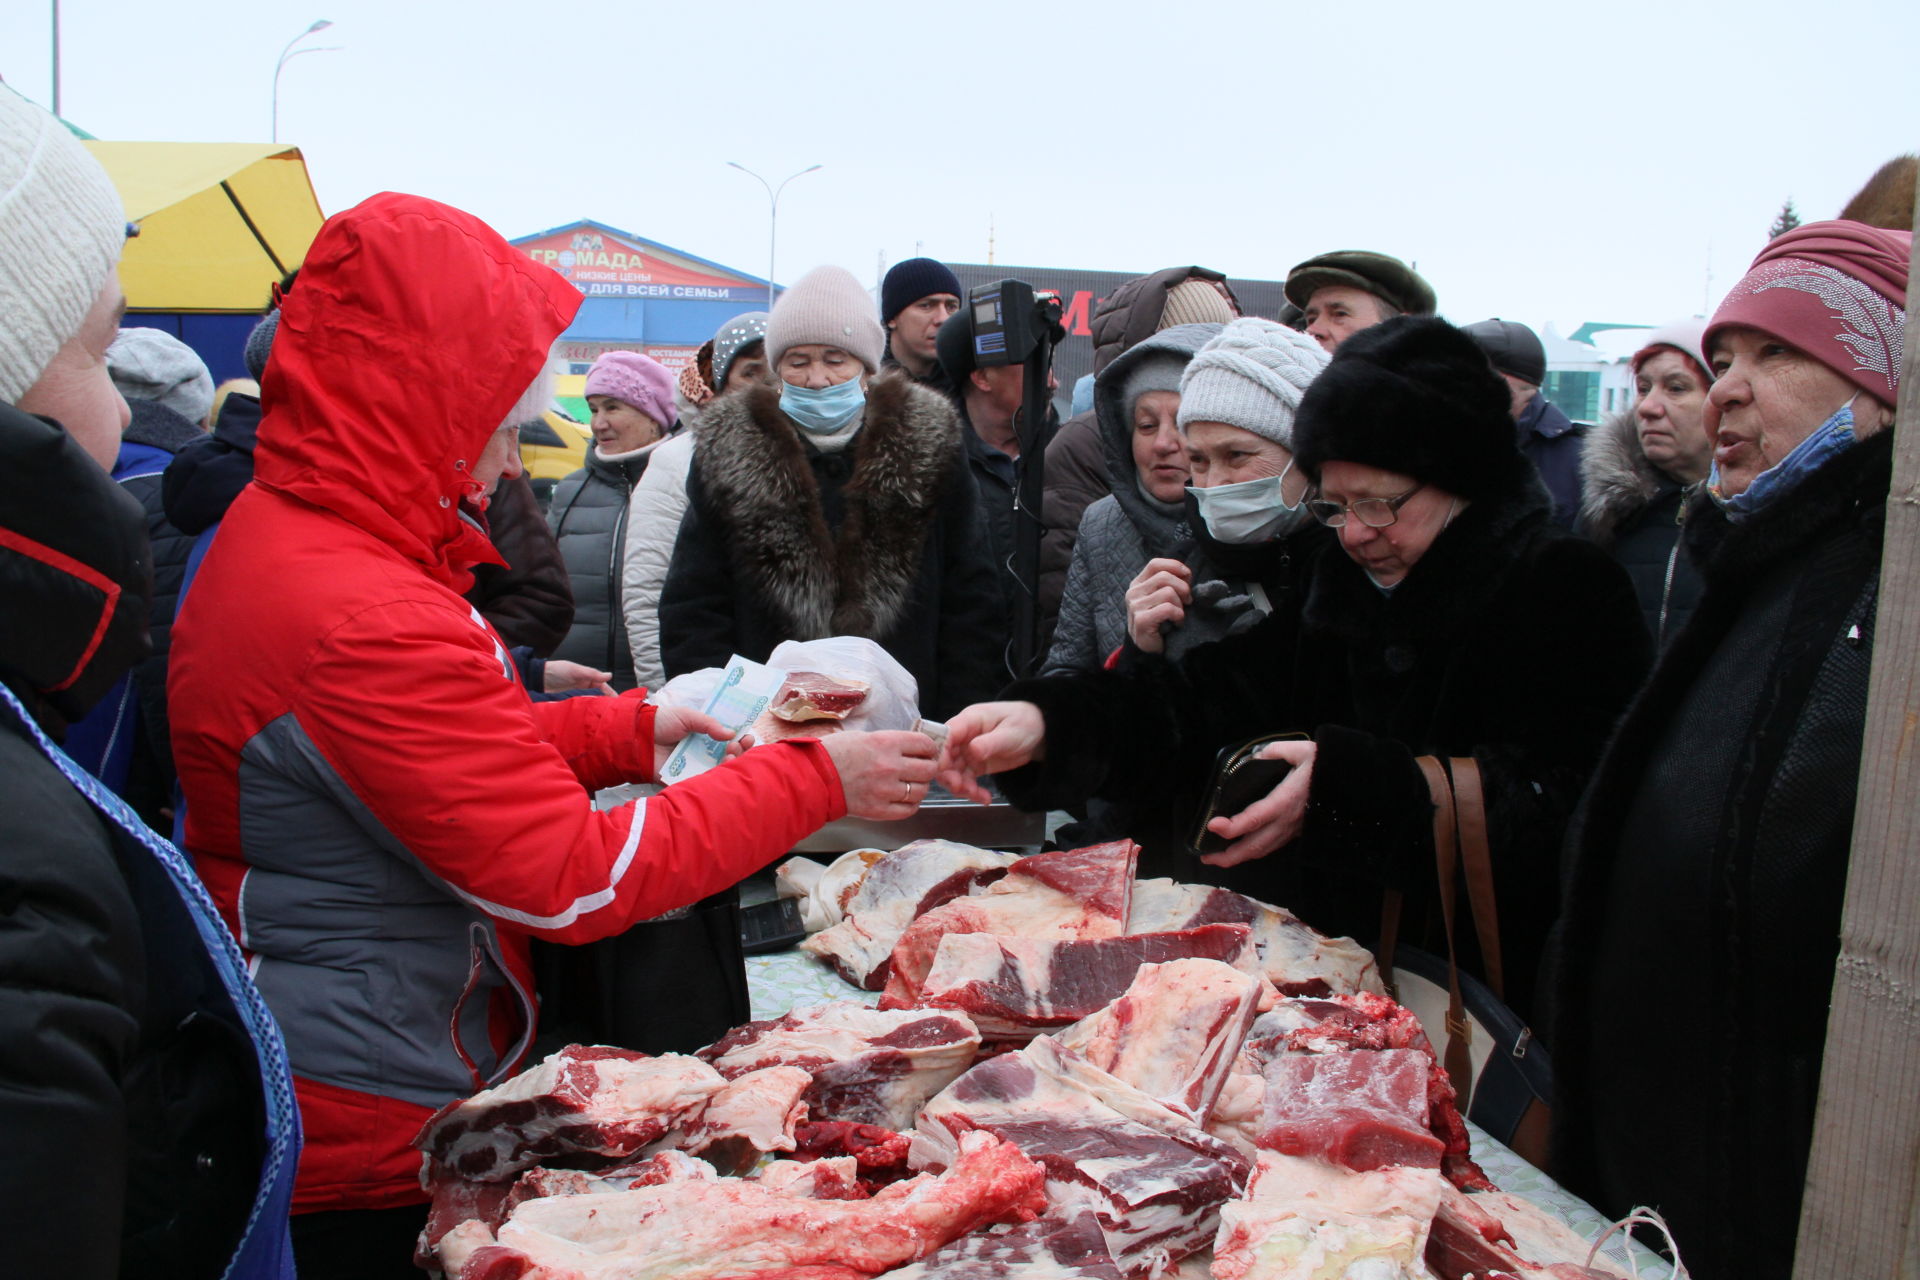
{"points": [[1861, 1215]]}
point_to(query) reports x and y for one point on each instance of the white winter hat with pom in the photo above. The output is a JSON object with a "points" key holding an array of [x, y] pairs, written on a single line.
{"points": [[62, 227], [1251, 376]]}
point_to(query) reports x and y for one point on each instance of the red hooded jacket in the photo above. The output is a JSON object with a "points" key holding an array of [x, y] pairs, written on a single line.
{"points": [[381, 814]]}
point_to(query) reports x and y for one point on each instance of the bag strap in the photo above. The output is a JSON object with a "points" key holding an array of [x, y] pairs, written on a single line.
{"points": [[1476, 857], [1457, 1057]]}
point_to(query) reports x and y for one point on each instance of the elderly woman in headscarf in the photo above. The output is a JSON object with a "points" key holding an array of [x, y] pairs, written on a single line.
{"points": [[1453, 619], [1636, 470], [1713, 857]]}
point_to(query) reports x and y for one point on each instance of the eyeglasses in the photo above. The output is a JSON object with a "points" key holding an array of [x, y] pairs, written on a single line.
{"points": [[1375, 513]]}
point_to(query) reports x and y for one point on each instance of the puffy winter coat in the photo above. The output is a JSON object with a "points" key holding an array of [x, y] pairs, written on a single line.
{"points": [[380, 813], [145, 1104], [1509, 641], [1076, 475], [1710, 866], [881, 539], [125, 740], [1634, 510], [654, 512], [589, 521]]}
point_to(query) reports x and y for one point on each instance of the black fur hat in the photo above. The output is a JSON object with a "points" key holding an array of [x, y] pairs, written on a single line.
{"points": [[1417, 396]]}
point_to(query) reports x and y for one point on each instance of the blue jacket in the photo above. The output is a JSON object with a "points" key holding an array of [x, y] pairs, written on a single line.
{"points": [[1552, 440]]}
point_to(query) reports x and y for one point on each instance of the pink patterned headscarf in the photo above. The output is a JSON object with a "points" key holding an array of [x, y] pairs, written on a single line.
{"points": [[1835, 290]]}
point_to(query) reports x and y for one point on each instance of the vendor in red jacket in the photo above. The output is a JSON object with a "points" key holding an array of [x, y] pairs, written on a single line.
{"points": [[381, 814]]}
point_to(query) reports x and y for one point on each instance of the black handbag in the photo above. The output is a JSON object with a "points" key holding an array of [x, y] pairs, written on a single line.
{"points": [[1239, 778]]}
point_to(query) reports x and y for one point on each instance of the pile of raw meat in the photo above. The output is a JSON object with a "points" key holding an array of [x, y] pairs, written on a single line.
{"points": [[1072, 1074]]}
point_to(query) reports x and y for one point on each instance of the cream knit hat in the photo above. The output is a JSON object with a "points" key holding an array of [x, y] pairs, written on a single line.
{"points": [[1251, 376], [827, 305], [62, 227]]}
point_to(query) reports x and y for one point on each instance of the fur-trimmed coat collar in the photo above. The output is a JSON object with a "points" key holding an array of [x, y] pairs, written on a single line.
{"points": [[1616, 479], [766, 483]]}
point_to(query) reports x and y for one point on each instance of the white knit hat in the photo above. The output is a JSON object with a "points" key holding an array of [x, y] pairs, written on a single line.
{"points": [[827, 305], [1252, 376], [62, 227]]}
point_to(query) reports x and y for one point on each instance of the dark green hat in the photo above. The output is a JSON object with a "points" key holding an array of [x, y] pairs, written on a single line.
{"points": [[1376, 273]]}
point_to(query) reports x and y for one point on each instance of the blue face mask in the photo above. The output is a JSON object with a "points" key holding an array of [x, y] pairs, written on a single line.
{"points": [[1832, 438], [1250, 511], [823, 410]]}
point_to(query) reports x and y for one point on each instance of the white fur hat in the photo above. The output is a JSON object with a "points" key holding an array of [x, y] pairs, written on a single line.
{"points": [[62, 226]]}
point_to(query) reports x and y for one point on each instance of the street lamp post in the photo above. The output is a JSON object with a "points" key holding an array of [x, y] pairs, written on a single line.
{"points": [[286, 55], [773, 214]]}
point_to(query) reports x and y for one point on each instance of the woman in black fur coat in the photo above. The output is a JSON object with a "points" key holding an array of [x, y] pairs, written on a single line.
{"points": [[834, 503], [1707, 871], [1459, 621]]}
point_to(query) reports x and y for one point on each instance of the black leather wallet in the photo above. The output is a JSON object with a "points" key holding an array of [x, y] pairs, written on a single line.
{"points": [[1238, 780]]}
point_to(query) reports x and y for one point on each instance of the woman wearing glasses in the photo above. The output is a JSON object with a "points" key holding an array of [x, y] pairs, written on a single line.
{"points": [[1452, 620]]}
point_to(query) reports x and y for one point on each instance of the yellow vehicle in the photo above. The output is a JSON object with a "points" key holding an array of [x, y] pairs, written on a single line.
{"points": [[551, 449]]}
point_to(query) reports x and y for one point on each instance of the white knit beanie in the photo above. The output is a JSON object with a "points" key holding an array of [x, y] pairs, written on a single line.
{"points": [[62, 226], [827, 305], [1252, 376], [151, 364]]}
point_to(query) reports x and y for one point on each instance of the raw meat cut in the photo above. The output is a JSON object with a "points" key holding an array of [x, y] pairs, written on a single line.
{"points": [[1014, 988], [1174, 1034], [871, 1066], [1296, 958], [1305, 1220], [897, 888], [1367, 1021], [734, 1227], [598, 1100], [753, 1114], [1152, 1178], [1361, 1109], [1074, 893], [1495, 1234], [879, 1155], [808, 695], [832, 1178], [1050, 1248]]}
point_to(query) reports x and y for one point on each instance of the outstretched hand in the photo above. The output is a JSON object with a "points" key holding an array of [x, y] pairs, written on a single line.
{"points": [[990, 737], [883, 774], [1274, 820], [562, 676], [671, 724]]}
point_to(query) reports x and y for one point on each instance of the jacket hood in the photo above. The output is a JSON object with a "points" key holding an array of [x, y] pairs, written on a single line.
{"points": [[413, 331], [1116, 429], [1132, 312], [76, 577], [207, 475], [1616, 480]]}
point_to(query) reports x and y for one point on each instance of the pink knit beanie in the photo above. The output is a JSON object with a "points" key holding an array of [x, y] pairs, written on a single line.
{"points": [[641, 381]]}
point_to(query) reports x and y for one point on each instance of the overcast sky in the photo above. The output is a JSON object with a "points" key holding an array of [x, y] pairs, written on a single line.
{"points": [[1546, 163]]}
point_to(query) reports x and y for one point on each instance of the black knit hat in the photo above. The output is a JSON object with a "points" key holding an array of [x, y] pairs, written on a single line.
{"points": [[1512, 347], [1413, 395], [912, 280]]}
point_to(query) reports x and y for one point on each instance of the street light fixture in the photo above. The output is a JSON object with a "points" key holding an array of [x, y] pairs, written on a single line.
{"points": [[286, 55], [773, 214]]}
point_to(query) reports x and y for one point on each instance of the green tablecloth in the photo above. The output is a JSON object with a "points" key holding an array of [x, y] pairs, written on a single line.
{"points": [[789, 979]]}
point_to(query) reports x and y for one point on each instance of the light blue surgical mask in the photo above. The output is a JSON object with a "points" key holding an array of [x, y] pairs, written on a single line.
{"points": [[1830, 439], [823, 410], [1252, 511]]}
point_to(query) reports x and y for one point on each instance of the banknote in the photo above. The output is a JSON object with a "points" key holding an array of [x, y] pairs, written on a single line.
{"points": [[744, 692]]}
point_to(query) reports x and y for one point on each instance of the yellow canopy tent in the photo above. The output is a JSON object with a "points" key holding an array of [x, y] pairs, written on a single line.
{"points": [[220, 222]]}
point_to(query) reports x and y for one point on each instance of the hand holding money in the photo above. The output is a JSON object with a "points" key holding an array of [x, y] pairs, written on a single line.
{"points": [[672, 724]]}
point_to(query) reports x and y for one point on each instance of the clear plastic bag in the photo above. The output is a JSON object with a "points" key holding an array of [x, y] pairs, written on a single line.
{"points": [[893, 698]]}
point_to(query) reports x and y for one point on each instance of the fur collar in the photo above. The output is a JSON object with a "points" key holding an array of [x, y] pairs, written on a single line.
{"points": [[761, 481], [1616, 480]]}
